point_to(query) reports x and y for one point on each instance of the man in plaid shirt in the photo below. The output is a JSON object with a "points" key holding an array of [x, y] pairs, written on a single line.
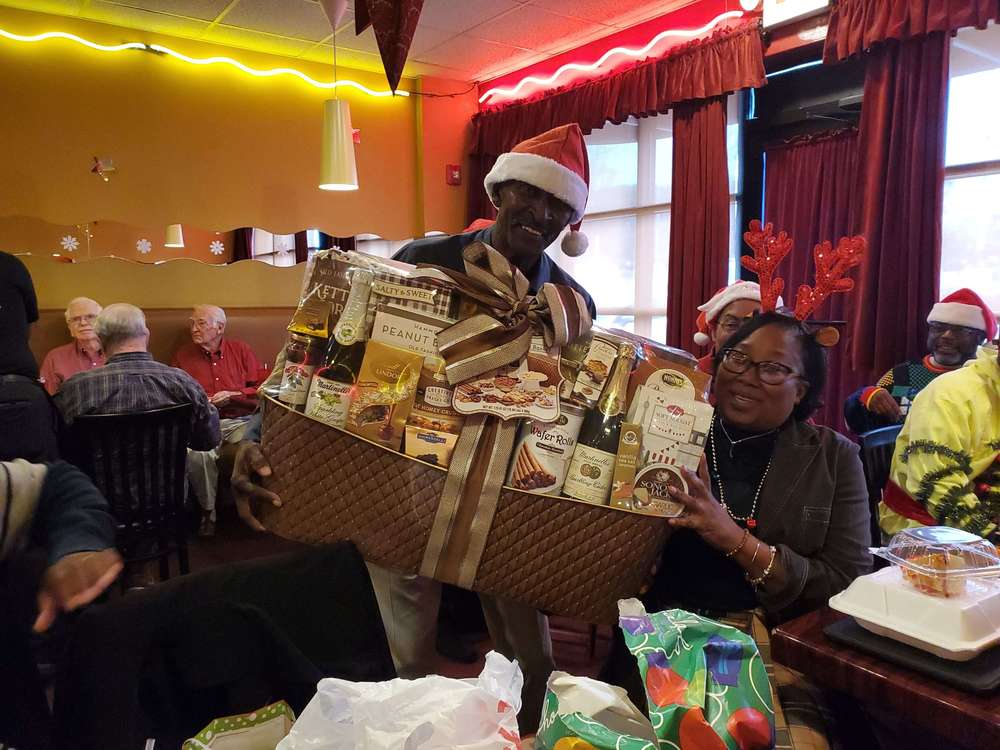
{"points": [[133, 381]]}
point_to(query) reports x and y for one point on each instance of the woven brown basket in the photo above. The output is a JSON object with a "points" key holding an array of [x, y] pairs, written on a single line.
{"points": [[562, 556]]}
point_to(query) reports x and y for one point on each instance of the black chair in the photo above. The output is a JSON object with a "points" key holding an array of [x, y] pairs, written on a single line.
{"points": [[138, 462], [877, 448]]}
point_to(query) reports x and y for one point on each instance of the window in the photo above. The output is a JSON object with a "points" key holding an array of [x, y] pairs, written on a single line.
{"points": [[628, 220], [372, 244], [970, 250], [273, 249]]}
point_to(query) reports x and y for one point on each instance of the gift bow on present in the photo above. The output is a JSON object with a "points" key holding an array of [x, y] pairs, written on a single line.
{"points": [[485, 342], [473, 347]]}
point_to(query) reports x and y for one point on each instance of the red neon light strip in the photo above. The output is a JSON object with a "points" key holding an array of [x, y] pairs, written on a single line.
{"points": [[634, 53]]}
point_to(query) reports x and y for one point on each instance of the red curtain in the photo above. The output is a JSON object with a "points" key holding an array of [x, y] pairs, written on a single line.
{"points": [[730, 60], [699, 214], [857, 25], [902, 188], [810, 192]]}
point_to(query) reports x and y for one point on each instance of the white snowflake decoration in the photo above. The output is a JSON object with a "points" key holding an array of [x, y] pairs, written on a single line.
{"points": [[144, 246], [216, 247], [69, 243]]}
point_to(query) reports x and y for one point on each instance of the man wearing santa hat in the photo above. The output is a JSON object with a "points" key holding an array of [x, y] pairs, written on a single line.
{"points": [[946, 467], [722, 316], [539, 189], [957, 325]]}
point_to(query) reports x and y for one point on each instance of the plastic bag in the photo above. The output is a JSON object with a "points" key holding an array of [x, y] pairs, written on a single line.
{"points": [[431, 713], [706, 688]]}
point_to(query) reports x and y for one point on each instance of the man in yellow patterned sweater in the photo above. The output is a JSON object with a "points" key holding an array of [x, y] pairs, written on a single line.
{"points": [[946, 468]]}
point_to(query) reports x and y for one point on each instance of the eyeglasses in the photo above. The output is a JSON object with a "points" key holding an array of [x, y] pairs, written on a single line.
{"points": [[939, 329], [731, 324], [78, 319], [201, 323], [771, 373]]}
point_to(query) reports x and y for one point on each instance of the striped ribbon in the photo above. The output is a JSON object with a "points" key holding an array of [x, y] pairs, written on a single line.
{"points": [[470, 348]]}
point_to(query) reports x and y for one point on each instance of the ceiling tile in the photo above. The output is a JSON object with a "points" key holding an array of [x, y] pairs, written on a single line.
{"points": [[301, 19], [364, 42], [205, 10], [449, 15], [58, 7], [472, 55], [535, 29], [255, 40], [135, 18], [427, 38]]}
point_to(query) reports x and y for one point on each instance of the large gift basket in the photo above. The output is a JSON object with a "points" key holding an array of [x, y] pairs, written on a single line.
{"points": [[452, 425]]}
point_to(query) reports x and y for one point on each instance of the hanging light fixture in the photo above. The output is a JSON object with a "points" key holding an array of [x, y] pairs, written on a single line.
{"points": [[175, 236], [338, 168]]}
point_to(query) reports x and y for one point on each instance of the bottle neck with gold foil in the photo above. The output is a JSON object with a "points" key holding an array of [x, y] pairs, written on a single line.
{"points": [[612, 400]]}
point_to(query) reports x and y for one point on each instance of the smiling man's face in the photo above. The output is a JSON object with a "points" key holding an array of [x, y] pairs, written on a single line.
{"points": [[528, 221]]}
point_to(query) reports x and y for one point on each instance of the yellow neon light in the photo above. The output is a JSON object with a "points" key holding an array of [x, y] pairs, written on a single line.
{"points": [[271, 72], [200, 61], [627, 51], [72, 38]]}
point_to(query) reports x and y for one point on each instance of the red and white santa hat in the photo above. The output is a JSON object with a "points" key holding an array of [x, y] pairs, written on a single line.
{"points": [[711, 310], [556, 162], [965, 308]]}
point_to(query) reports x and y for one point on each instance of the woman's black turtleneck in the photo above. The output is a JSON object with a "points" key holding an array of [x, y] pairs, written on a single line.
{"points": [[693, 575]]}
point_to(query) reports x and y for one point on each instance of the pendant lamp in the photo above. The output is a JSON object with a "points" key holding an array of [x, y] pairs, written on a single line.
{"points": [[175, 236], [338, 169]]}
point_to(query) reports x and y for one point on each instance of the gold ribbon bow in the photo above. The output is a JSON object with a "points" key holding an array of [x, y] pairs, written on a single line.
{"points": [[472, 347]]}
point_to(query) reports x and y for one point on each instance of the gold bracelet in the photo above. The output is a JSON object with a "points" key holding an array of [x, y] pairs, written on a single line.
{"points": [[755, 551], [738, 547], [756, 582]]}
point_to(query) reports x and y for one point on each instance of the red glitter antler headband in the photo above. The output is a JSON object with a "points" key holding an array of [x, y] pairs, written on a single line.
{"points": [[832, 266], [768, 252], [831, 273]]}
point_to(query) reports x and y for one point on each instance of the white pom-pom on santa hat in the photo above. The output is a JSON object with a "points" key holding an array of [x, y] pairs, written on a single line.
{"points": [[965, 308], [556, 162], [574, 242]]}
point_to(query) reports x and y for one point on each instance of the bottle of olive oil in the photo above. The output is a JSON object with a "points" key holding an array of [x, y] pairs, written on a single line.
{"points": [[333, 383], [593, 463]]}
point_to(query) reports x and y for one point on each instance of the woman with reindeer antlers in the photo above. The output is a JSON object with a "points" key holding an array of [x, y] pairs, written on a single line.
{"points": [[776, 521]]}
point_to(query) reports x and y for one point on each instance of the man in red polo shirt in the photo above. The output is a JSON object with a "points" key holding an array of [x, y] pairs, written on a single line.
{"points": [[229, 372], [81, 354]]}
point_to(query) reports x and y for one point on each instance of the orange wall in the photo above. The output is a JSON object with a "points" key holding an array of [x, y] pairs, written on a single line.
{"points": [[210, 146]]}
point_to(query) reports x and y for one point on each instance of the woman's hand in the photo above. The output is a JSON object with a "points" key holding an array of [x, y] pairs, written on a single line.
{"points": [[703, 513]]}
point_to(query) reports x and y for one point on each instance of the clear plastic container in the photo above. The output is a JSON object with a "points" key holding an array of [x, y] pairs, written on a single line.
{"points": [[940, 560]]}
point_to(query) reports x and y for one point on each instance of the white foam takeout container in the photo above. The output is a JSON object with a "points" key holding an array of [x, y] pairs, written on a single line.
{"points": [[954, 627]]}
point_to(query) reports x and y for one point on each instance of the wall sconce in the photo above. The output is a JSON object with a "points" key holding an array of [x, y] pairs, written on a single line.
{"points": [[175, 236], [103, 167]]}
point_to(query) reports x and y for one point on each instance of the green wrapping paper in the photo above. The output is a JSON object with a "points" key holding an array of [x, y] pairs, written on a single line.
{"points": [[706, 688]]}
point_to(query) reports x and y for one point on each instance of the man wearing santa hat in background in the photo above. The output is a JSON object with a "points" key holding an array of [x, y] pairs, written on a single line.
{"points": [[722, 316], [957, 325]]}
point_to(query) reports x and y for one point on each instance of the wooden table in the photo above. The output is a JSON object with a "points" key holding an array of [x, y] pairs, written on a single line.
{"points": [[970, 719]]}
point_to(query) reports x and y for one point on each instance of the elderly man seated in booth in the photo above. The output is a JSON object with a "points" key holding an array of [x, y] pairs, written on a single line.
{"points": [[132, 381], [228, 371], [83, 353]]}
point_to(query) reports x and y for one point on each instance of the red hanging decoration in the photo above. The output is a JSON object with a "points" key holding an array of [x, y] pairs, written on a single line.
{"points": [[394, 23]]}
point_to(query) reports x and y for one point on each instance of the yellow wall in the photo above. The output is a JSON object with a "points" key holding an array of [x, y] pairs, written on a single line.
{"points": [[180, 283], [210, 146]]}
